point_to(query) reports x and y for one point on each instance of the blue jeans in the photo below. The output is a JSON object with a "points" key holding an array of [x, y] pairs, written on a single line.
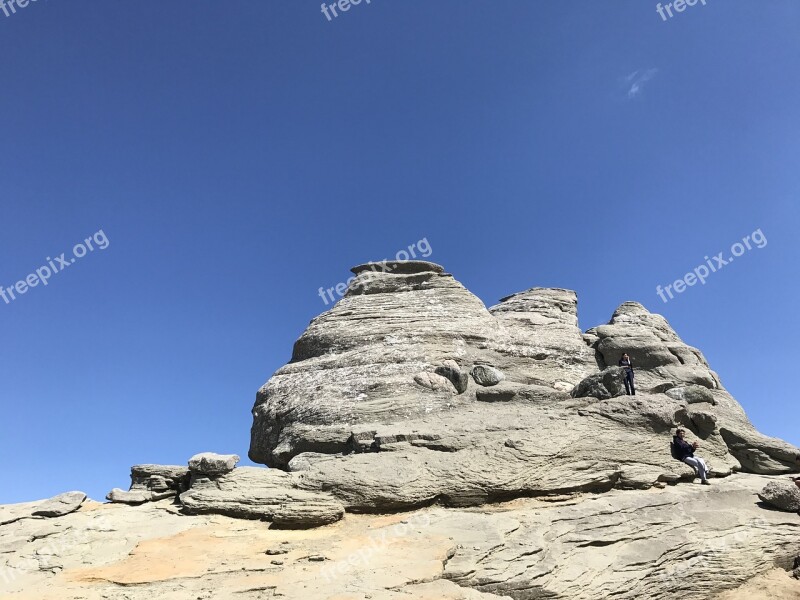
{"points": [[629, 389]]}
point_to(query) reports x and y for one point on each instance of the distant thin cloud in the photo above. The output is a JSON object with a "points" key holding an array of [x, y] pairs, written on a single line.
{"points": [[637, 79]]}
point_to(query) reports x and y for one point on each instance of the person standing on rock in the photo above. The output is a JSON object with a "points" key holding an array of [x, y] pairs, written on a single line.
{"points": [[684, 452], [625, 361]]}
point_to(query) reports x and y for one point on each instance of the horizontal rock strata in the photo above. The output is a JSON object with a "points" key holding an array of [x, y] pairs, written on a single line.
{"points": [[377, 409], [685, 541]]}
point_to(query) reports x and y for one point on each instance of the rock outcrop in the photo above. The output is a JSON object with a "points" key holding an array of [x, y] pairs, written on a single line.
{"points": [[152, 482], [209, 463], [683, 541], [267, 494], [374, 407]]}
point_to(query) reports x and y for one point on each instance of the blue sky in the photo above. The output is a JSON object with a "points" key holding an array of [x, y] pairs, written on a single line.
{"points": [[238, 156]]}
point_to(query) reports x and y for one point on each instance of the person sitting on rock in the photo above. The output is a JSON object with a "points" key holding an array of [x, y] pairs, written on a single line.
{"points": [[684, 452], [625, 361]]}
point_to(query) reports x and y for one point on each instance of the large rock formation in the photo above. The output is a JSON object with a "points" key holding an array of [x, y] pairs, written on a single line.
{"points": [[374, 407]]}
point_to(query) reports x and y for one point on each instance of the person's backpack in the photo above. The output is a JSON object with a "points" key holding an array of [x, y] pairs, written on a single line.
{"points": [[673, 450]]}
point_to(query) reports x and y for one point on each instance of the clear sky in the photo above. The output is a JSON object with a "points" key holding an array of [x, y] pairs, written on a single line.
{"points": [[239, 155]]}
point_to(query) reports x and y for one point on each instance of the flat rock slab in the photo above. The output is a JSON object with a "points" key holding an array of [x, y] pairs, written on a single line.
{"points": [[60, 505], [10, 513], [253, 493], [139, 496]]}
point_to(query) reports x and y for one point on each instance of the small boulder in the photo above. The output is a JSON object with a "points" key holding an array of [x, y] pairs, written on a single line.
{"points": [[208, 463], [60, 505], [662, 387], [486, 375], [704, 421], [692, 394], [434, 382], [451, 370], [606, 384], [784, 495], [120, 496]]}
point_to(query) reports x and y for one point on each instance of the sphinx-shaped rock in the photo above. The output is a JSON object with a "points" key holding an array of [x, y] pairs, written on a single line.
{"points": [[361, 361], [361, 413]]}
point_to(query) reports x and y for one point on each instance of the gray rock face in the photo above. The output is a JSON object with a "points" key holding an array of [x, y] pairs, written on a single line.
{"points": [[608, 383], [360, 413], [357, 362], [159, 478], [135, 497], [784, 495], [60, 505], [539, 341], [269, 494], [208, 463], [486, 375], [657, 353], [150, 483]]}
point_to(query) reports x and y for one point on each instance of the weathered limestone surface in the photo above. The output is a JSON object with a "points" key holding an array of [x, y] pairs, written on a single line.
{"points": [[375, 408], [254, 493], [209, 463], [682, 541], [150, 483]]}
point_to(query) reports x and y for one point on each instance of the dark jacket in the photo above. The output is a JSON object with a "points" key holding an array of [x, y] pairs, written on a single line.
{"points": [[628, 364], [682, 448]]}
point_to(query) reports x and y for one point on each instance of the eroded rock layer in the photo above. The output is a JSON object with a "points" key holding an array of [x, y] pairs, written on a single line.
{"points": [[378, 408]]}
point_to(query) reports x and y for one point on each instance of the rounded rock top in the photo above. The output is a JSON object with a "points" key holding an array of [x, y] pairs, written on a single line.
{"points": [[399, 267]]}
